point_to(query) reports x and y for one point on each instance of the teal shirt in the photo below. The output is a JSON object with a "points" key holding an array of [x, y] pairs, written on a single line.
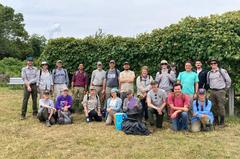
{"points": [[188, 80]]}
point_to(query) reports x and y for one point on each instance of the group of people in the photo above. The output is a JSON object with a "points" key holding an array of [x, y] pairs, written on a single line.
{"points": [[182, 98]]}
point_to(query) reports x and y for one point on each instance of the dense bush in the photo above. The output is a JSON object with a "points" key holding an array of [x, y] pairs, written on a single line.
{"points": [[191, 38], [11, 67]]}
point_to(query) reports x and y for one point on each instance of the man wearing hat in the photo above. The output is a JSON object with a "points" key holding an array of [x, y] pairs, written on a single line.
{"points": [[219, 81], [60, 78], [165, 77], [126, 79], [97, 80], [44, 82], [92, 106], [29, 76], [111, 80], [79, 87]]}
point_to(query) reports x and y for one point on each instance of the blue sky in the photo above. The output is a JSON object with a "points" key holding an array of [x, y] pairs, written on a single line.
{"points": [[80, 18]]}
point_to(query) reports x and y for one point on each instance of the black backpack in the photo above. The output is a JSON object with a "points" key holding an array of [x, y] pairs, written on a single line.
{"points": [[132, 126]]}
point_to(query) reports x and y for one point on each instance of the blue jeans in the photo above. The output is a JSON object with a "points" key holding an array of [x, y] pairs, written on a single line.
{"points": [[180, 122]]}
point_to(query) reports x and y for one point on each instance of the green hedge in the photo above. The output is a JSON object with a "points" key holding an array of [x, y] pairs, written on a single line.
{"points": [[11, 67], [190, 39]]}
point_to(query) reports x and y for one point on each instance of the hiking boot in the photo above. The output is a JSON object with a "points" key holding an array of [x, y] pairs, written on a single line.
{"points": [[48, 123], [23, 117]]}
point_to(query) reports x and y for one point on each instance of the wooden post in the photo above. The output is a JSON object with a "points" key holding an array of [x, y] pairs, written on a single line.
{"points": [[231, 101]]}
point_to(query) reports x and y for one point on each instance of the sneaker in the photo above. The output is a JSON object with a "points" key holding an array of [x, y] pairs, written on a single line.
{"points": [[87, 120], [48, 123], [22, 117]]}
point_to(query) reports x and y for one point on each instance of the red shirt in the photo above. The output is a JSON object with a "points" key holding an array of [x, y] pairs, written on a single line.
{"points": [[80, 79], [178, 101]]}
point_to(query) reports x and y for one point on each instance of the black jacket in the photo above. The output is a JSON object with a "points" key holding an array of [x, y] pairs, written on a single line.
{"points": [[202, 76]]}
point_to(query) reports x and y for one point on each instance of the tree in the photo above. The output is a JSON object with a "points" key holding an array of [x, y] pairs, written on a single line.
{"points": [[37, 44]]}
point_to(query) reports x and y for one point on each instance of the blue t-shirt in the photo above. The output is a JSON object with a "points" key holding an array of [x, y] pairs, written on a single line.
{"points": [[188, 80]]}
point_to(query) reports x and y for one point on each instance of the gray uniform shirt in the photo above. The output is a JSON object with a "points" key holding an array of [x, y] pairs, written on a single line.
{"points": [[98, 77], [29, 74], [92, 103], [44, 81], [60, 76], [165, 79], [216, 80], [157, 98]]}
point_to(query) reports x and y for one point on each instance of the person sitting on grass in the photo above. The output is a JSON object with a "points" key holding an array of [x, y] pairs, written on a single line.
{"points": [[202, 116], [179, 106], [132, 106], [46, 110], [63, 106], [92, 106], [156, 101], [114, 104]]}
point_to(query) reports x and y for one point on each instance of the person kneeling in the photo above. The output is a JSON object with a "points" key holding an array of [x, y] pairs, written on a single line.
{"points": [[202, 116], [114, 104], [179, 106], [63, 106], [92, 106], [132, 106], [156, 101], [46, 110]]}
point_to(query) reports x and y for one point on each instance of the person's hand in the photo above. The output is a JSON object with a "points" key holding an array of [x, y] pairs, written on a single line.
{"points": [[185, 109], [195, 96], [99, 113], [65, 109], [159, 111], [194, 114], [109, 109], [29, 89], [203, 115], [103, 91], [174, 115]]}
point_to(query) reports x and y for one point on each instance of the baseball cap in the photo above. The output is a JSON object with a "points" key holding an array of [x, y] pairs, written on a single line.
{"points": [[114, 90], [164, 62], [99, 63], [46, 92], [201, 91], [92, 88], [126, 63], [44, 63], [29, 58], [59, 61], [112, 61]]}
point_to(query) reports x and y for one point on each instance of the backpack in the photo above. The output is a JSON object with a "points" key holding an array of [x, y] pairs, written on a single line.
{"points": [[64, 117], [221, 73], [116, 72], [54, 73], [134, 127]]}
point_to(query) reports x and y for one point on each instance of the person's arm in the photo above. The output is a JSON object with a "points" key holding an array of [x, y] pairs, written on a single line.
{"points": [[125, 105], [179, 78], [67, 78], [228, 79], [84, 103], [92, 78], [57, 104], [139, 84], [131, 79], [172, 76], [70, 102], [149, 103], [119, 104], [38, 78], [196, 84], [86, 82], [194, 108]]}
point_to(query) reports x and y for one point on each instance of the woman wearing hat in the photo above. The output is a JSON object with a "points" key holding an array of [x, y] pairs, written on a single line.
{"points": [[202, 116], [44, 80], [114, 104]]}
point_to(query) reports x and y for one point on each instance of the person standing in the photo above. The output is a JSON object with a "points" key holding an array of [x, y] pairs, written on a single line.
{"points": [[126, 79], [60, 79], [219, 81], [165, 77], [143, 86], [79, 87], [44, 82], [29, 76], [156, 100], [111, 81], [189, 81], [97, 80], [202, 75]]}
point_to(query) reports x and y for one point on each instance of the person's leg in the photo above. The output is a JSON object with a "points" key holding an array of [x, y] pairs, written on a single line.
{"points": [[214, 106], [151, 112], [123, 95], [100, 95], [34, 99], [26, 96], [159, 120], [196, 126], [81, 95], [40, 115], [144, 109], [96, 117], [221, 98], [56, 91], [175, 124], [109, 119], [184, 120], [76, 100]]}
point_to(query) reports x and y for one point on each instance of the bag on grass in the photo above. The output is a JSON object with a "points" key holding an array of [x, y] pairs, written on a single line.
{"points": [[64, 117], [134, 127]]}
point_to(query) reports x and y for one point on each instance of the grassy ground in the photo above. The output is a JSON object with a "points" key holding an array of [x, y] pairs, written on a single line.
{"points": [[31, 139]]}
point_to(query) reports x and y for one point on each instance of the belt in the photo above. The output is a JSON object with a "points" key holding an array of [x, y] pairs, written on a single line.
{"points": [[214, 89], [33, 83], [98, 85]]}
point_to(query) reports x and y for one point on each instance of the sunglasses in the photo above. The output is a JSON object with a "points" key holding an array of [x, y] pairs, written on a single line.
{"points": [[164, 64], [213, 63]]}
